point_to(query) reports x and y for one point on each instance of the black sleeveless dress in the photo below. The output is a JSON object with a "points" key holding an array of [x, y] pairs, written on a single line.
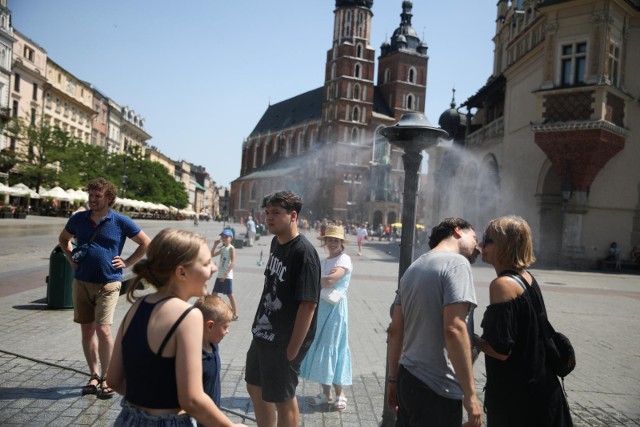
{"points": [[521, 391]]}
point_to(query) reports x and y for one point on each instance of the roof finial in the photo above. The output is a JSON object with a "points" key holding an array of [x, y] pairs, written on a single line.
{"points": [[453, 97]]}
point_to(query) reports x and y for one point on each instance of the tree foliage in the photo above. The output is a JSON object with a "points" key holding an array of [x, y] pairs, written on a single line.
{"points": [[52, 157]]}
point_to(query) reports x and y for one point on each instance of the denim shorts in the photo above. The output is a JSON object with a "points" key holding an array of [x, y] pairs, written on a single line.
{"points": [[130, 416]]}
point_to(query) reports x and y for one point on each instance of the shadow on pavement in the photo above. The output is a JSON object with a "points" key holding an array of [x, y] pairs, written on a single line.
{"points": [[51, 393], [39, 304]]}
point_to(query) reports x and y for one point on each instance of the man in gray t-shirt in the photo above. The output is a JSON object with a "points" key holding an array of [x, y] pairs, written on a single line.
{"points": [[430, 362]]}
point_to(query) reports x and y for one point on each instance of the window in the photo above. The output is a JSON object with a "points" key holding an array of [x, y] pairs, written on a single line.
{"points": [[16, 82], [356, 91], [387, 75], [412, 75], [573, 63], [614, 63], [29, 53], [15, 109], [333, 71], [359, 50], [356, 114], [381, 147], [357, 71], [354, 135], [410, 102], [347, 24], [360, 24], [35, 91]]}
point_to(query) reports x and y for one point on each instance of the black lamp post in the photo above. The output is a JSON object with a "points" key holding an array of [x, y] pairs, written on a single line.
{"points": [[413, 133]]}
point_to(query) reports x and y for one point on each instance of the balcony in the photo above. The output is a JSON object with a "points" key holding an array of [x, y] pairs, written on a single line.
{"points": [[577, 104], [489, 134]]}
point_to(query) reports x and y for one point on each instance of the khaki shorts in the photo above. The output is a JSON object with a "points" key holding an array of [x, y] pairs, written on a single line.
{"points": [[95, 301]]}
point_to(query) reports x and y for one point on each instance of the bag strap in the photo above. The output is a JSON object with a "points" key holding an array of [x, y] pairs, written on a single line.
{"points": [[97, 230], [173, 329]]}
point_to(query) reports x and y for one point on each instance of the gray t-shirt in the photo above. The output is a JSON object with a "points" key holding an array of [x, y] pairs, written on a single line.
{"points": [[434, 280]]}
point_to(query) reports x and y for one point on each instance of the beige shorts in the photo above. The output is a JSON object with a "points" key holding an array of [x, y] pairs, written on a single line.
{"points": [[95, 301]]}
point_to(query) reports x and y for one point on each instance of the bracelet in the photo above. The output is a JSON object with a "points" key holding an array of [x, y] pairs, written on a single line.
{"points": [[391, 379]]}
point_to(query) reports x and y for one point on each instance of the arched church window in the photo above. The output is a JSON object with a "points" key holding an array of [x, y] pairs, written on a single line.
{"points": [[356, 114], [347, 24], [412, 75], [354, 136], [356, 91], [359, 50], [387, 75], [410, 102], [358, 71]]}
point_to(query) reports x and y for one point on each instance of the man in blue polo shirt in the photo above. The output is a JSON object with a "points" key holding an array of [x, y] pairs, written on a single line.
{"points": [[98, 275]]}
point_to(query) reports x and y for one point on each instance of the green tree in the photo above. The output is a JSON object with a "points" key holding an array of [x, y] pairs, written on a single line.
{"points": [[38, 158], [49, 156]]}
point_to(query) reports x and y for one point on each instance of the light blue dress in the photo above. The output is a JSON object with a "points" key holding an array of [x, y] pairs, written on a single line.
{"points": [[328, 360]]}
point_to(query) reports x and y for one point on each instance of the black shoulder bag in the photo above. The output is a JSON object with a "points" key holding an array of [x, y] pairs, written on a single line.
{"points": [[561, 356], [80, 251]]}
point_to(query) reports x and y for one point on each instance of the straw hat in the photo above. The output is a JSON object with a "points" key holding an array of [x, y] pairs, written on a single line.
{"points": [[334, 231]]}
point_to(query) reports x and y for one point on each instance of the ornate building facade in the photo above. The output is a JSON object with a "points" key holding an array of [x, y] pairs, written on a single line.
{"points": [[553, 136], [325, 144]]}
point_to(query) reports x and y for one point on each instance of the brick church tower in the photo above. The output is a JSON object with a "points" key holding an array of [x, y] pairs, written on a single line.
{"points": [[325, 144]]}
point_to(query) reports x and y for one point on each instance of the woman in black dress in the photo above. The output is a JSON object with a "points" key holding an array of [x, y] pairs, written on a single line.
{"points": [[521, 389]]}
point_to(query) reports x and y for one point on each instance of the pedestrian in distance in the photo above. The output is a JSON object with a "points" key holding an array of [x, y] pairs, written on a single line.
{"points": [[285, 322], [157, 357], [361, 235], [328, 361], [100, 234], [430, 372], [224, 280], [251, 231], [521, 388], [217, 317]]}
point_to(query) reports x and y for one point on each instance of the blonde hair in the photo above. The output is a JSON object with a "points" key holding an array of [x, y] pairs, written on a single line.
{"points": [[169, 249], [512, 237], [214, 308]]}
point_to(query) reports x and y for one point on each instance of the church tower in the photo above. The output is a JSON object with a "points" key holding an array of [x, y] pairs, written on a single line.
{"points": [[402, 70], [349, 73]]}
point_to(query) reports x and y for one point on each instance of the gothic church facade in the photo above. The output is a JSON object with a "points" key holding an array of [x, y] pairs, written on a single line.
{"points": [[325, 144]]}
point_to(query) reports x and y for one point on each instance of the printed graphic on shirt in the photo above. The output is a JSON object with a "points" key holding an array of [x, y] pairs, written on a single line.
{"points": [[271, 304]]}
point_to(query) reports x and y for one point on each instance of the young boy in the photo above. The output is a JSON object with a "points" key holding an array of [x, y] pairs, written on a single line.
{"points": [[217, 316], [224, 280]]}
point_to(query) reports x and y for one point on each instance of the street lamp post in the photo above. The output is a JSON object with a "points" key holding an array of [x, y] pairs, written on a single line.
{"points": [[413, 133]]}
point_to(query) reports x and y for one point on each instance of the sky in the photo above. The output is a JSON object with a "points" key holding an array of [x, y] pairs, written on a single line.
{"points": [[203, 72]]}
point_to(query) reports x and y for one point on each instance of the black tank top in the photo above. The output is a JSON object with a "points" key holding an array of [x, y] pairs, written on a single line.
{"points": [[150, 378]]}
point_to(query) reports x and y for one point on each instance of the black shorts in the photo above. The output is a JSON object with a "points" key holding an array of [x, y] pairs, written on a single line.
{"points": [[267, 367], [418, 405], [224, 287]]}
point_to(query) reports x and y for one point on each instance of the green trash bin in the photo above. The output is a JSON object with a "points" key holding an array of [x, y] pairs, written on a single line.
{"points": [[60, 281]]}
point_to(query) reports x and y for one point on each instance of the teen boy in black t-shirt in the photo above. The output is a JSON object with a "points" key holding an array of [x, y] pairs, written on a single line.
{"points": [[285, 321]]}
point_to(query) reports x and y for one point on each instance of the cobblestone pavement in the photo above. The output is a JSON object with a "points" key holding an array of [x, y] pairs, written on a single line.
{"points": [[42, 366]]}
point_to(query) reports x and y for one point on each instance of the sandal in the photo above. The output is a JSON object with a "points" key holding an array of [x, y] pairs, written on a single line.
{"points": [[340, 404], [91, 388], [320, 399], [106, 392]]}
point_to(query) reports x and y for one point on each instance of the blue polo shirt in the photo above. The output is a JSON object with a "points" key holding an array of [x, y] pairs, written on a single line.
{"points": [[96, 266]]}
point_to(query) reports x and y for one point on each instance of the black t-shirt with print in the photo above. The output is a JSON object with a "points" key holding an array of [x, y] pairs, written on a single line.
{"points": [[292, 275]]}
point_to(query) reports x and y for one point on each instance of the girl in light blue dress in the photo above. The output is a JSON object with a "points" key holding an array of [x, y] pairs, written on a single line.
{"points": [[328, 360]]}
